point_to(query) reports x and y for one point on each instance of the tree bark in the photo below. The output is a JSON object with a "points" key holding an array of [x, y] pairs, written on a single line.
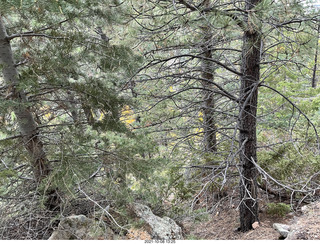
{"points": [[314, 74], [26, 123], [247, 120], [210, 128], [209, 122]]}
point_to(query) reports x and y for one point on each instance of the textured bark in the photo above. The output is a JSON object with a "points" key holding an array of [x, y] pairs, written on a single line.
{"points": [[210, 128], [209, 105], [26, 123], [247, 121], [314, 74]]}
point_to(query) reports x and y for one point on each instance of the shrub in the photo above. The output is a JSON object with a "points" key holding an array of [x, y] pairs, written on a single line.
{"points": [[278, 209]]}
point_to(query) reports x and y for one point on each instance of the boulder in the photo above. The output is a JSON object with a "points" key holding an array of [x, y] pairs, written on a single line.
{"points": [[160, 228], [79, 227], [282, 229]]}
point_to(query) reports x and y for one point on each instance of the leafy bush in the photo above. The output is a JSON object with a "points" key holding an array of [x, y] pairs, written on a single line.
{"points": [[201, 215], [285, 163], [278, 209]]}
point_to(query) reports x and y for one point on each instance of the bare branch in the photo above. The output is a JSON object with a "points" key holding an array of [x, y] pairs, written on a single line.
{"points": [[105, 210]]}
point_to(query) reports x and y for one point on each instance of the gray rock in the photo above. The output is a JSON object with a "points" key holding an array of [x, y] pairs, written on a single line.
{"points": [[293, 235], [79, 227], [282, 229], [161, 228], [304, 209]]}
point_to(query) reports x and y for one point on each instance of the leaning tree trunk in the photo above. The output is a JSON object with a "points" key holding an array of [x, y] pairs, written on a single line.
{"points": [[26, 123], [247, 120]]}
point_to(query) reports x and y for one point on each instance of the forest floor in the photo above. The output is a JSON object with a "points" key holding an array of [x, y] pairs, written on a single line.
{"points": [[223, 223], [223, 226]]}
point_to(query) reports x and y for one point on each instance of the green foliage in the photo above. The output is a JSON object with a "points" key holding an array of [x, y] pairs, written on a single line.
{"points": [[182, 190], [278, 209], [74, 83], [8, 173], [191, 237], [77, 86], [200, 215], [139, 224], [5, 174], [116, 57], [286, 163]]}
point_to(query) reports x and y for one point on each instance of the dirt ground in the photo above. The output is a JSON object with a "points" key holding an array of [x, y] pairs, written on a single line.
{"points": [[307, 226], [222, 224]]}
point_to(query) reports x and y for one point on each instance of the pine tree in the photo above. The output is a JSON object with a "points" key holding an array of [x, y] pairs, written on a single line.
{"points": [[63, 81], [250, 69], [27, 126]]}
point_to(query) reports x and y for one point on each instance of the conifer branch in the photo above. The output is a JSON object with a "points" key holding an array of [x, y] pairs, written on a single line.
{"points": [[46, 27], [36, 32], [296, 21], [227, 13], [9, 38], [11, 138], [299, 110], [193, 56]]}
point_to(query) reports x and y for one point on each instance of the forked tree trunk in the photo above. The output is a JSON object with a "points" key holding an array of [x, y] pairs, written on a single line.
{"points": [[247, 120], [26, 123]]}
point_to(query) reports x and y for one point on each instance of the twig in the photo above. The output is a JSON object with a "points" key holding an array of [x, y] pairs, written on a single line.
{"points": [[296, 107], [103, 209]]}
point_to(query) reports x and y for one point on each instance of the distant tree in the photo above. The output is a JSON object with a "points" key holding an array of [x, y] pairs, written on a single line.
{"points": [[315, 66]]}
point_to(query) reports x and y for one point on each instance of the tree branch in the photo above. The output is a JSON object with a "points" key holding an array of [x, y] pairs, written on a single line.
{"points": [[9, 38], [11, 138], [296, 107], [227, 13], [155, 62], [36, 32]]}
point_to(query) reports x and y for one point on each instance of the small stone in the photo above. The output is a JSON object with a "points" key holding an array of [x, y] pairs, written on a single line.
{"points": [[255, 225], [304, 209]]}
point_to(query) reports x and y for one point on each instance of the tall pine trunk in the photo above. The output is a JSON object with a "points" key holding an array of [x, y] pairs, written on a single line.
{"points": [[210, 129], [250, 69], [26, 123], [314, 73]]}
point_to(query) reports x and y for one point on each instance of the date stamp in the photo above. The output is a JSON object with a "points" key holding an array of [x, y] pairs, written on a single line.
{"points": [[159, 241]]}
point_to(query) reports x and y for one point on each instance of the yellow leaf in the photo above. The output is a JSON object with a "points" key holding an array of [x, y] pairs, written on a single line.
{"points": [[127, 115], [200, 115]]}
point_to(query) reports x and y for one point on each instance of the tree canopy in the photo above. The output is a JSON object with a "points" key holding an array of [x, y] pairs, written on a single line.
{"points": [[109, 103]]}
